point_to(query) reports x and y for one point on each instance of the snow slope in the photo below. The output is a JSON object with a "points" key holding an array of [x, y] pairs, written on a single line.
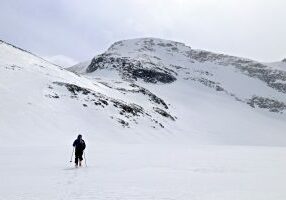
{"points": [[41, 101], [278, 65], [213, 98], [146, 108], [143, 90]]}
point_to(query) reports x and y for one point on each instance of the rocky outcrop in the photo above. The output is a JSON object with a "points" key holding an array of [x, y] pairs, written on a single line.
{"points": [[246, 66], [266, 103], [161, 61], [131, 69], [129, 111]]}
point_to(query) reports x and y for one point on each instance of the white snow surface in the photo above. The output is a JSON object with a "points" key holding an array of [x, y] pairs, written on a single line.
{"points": [[278, 65], [216, 149], [144, 172], [61, 60], [203, 114]]}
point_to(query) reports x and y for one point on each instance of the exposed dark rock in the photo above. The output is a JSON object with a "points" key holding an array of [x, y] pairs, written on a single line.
{"points": [[123, 123], [141, 90], [216, 86], [157, 58], [208, 83], [55, 96], [147, 45], [103, 101], [152, 76], [132, 69], [177, 67], [95, 64], [163, 44], [175, 49], [202, 72], [14, 67], [248, 67], [152, 96], [219, 88], [266, 103], [163, 113], [267, 75], [74, 88], [88, 95], [127, 109], [115, 45]]}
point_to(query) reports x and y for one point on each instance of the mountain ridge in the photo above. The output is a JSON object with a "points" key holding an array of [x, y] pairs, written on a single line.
{"points": [[132, 67], [144, 90]]}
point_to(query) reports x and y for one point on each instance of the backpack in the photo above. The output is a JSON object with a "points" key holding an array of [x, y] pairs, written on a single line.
{"points": [[80, 145]]}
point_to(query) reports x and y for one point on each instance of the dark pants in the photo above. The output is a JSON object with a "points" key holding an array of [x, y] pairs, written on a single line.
{"points": [[78, 156]]}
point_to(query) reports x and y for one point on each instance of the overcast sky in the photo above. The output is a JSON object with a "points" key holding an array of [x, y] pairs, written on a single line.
{"points": [[80, 29]]}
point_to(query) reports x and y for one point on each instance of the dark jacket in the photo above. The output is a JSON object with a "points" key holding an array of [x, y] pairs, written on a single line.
{"points": [[79, 144]]}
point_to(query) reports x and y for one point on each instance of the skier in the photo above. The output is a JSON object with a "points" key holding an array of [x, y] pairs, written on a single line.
{"points": [[79, 146]]}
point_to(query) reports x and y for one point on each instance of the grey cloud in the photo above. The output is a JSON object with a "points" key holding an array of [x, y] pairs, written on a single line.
{"points": [[81, 29]]}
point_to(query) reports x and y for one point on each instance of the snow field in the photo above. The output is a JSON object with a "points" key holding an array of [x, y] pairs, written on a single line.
{"points": [[137, 171]]}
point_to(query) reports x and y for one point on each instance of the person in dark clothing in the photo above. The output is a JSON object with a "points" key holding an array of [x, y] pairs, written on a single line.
{"points": [[79, 146]]}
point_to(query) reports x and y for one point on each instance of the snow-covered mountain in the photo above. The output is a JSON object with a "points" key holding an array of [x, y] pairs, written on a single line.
{"points": [[278, 65], [208, 96], [136, 104], [143, 90]]}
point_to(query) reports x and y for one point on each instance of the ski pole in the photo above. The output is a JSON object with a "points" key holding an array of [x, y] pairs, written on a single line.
{"points": [[72, 154], [84, 158]]}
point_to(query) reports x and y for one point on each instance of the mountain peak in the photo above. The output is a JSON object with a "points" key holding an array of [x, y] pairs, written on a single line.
{"points": [[158, 61], [148, 41], [147, 86], [146, 45]]}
